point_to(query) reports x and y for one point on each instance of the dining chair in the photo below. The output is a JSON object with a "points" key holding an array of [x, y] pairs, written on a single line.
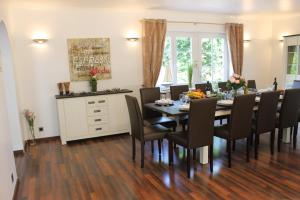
{"points": [[265, 119], [223, 86], [288, 115], [141, 132], [239, 126], [203, 86], [151, 117], [200, 131], [176, 90], [251, 84]]}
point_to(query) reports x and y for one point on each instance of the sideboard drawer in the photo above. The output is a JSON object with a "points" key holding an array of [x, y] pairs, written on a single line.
{"points": [[95, 120], [98, 129], [97, 111], [96, 101]]}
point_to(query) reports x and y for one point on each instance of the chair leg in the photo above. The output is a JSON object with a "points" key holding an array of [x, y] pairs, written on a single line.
{"points": [[152, 146], [159, 148], [295, 136], [251, 138], [174, 145], [256, 146], [211, 158], [142, 153], [229, 152], [233, 145], [188, 160], [248, 150], [170, 152], [183, 127], [194, 154], [227, 146], [272, 139], [174, 128], [279, 139], [133, 148], [221, 121]]}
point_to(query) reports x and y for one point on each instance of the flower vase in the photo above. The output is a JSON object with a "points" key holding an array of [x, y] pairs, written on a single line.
{"points": [[235, 93], [93, 84], [32, 141]]}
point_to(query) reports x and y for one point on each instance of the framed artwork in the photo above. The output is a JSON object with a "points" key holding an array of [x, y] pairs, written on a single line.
{"points": [[88, 53]]}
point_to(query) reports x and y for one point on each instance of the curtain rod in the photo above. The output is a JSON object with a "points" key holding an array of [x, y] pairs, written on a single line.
{"points": [[195, 23]]}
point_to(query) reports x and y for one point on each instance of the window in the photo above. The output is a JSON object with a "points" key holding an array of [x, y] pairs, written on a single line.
{"points": [[202, 55]]}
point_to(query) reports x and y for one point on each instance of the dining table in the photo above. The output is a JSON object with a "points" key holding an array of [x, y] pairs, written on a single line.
{"points": [[178, 109]]}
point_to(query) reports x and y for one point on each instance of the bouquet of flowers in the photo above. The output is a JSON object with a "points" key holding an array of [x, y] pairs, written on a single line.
{"points": [[93, 81], [236, 82], [30, 117]]}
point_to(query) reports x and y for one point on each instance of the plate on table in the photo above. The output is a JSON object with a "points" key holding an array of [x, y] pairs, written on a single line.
{"points": [[184, 107], [164, 102], [225, 102]]}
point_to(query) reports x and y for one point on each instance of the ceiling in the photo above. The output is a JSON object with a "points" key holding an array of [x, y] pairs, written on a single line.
{"points": [[215, 6]]}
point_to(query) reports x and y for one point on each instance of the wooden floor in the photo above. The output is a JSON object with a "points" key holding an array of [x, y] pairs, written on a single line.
{"points": [[102, 169]]}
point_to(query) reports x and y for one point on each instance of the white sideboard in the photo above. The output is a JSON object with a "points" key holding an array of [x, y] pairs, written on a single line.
{"points": [[92, 116]]}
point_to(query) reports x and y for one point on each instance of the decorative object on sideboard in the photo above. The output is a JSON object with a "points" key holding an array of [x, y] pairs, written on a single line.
{"points": [[94, 72], [88, 53], [60, 88], [30, 117], [67, 87]]}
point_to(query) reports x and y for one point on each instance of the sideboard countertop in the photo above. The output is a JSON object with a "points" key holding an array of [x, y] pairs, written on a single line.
{"points": [[87, 94]]}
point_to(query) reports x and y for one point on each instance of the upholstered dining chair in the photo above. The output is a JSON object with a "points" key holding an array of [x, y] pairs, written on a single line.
{"points": [[239, 126], [288, 115], [203, 86], [223, 86], [150, 95], [141, 132], [265, 118], [199, 133], [251, 84], [176, 90]]}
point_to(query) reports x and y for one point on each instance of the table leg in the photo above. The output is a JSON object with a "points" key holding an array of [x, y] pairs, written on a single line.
{"points": [[286, 135], [204, 155]]}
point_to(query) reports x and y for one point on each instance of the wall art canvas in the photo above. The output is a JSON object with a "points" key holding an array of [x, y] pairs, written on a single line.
{"points": [[87, 53]]}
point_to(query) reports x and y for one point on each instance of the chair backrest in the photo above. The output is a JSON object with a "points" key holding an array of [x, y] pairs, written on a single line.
{"points": [[267, 109], [241, 116], [289, 108], [223, 86], [296, 84], [136, 120], [176, 90], [251, 84], [201, 122], [203, 86], [149, 95]]}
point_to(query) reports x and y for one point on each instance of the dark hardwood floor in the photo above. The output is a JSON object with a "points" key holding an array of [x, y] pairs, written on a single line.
{"points": [[102, 169]]}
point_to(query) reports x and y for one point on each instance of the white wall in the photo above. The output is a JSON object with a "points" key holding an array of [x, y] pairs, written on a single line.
{"points": [[282, 25], [6, 152], [39, 69]]}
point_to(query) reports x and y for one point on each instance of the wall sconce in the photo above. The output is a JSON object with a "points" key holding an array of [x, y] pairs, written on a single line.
{"points": [[132, 36], [132, 39], [247, 41], [40, 38]]}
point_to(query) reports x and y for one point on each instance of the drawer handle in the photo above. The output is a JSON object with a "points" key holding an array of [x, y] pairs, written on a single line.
{"points": [[98, 129], [98, 120], [96, 111], [102, 101], [91, 102]]}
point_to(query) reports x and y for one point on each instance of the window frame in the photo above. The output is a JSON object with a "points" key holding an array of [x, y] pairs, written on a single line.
{"points": [[196, 38]]}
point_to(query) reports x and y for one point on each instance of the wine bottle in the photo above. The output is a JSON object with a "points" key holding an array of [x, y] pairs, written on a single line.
{"points": [[275, 84]]}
